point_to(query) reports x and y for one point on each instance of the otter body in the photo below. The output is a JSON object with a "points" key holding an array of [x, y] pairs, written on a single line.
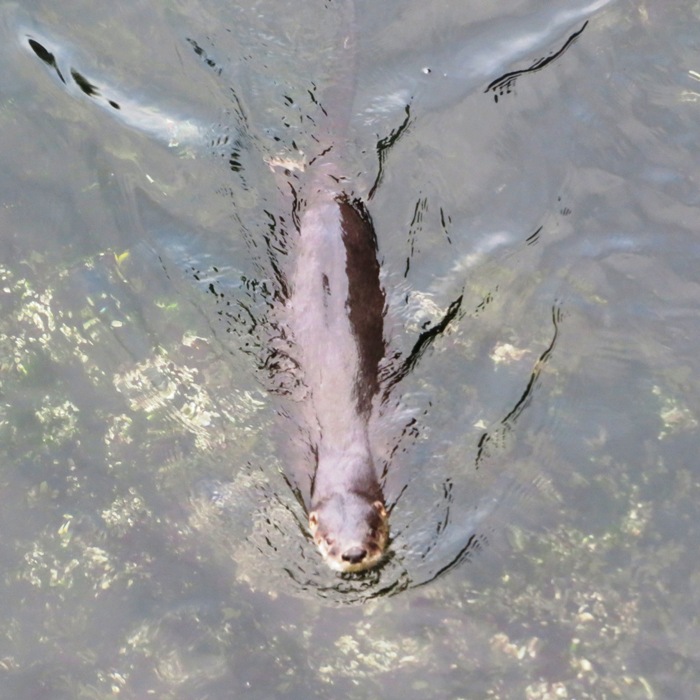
{"points": [[337, 311]]}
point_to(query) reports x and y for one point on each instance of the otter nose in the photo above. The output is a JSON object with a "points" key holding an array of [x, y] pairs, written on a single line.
{"points": [[354, 555]]}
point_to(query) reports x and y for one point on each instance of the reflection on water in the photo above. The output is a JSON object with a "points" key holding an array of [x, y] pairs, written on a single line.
{"points": [[537, 431]]}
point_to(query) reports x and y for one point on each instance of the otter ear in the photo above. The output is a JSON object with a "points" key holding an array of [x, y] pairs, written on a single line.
{"points": [[379, 507], [313, 519]]}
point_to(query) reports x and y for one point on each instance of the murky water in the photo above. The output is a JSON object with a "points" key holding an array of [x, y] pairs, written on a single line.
{"points": [[532, 178]]}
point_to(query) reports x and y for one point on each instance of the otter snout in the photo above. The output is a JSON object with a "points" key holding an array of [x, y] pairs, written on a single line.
{"points": [[355, 555]]}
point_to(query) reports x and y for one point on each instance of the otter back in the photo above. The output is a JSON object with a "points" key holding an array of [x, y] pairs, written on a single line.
{"points": [[336, 313]]}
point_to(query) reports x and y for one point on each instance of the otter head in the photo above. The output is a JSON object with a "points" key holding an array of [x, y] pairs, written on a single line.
{"points": [[350, 530]]}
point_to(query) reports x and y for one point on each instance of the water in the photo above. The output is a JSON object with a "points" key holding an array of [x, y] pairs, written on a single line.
{"points": [[541, 454]]}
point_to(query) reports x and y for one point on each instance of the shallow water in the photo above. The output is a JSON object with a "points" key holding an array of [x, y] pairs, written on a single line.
{"points": [[540, 454]]}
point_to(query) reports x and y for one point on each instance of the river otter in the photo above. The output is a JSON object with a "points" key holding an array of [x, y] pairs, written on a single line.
{"points": [[336, 314]]}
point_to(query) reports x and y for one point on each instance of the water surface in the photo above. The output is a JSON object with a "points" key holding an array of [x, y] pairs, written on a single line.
{"points": [[531, 174]]}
